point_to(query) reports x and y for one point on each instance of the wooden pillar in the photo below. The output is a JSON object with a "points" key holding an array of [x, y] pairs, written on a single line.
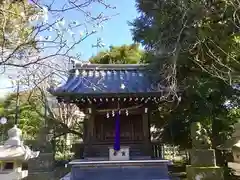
{"points": [[146, 134], [85, 136], [91, 127], [89, 132]]}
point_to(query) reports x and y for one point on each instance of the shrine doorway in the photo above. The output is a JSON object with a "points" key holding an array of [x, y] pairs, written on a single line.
{"points": [[131, 128]]}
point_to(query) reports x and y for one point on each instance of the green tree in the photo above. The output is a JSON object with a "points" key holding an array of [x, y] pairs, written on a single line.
{"points": [[14, 20], [35, 112], [29, 120], [204, 103], [125, 54], [202, 33], [17, 33]]}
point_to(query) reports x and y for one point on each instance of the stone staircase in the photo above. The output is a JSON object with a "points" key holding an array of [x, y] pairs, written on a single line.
{"points": [[117, 173], [127, 170]]}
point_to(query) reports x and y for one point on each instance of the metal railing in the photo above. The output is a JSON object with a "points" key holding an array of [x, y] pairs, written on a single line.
{"points": [[157, 150]]}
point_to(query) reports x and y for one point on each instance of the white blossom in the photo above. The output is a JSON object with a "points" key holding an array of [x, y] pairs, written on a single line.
{"points": [[22, 14], [60, 23], [45, 14], [33, 18], [102, 44], [71, 32], [41, 16], [81, 33], [40, 38], [17, 26], [50, 29], [122, 86], [94, 31], [101, 27]]}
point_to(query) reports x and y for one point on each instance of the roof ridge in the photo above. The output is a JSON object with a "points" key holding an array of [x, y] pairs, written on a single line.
{"points": [[110, 66]]}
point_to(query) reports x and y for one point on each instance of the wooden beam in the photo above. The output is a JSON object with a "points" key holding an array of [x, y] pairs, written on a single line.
{"points": [[146, 129]]}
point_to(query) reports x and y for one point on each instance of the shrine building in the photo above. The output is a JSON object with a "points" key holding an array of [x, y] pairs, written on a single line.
{"points": [[118, 99]]}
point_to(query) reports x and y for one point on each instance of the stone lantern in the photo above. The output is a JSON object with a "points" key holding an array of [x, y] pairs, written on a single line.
{"points": [[13, 155]]}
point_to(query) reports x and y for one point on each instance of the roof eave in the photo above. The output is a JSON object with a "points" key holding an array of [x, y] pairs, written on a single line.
{"points": [[106, 95]]}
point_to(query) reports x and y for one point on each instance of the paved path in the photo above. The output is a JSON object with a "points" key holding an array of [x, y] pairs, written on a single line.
{"points": [[236, 167], [66, 177]]}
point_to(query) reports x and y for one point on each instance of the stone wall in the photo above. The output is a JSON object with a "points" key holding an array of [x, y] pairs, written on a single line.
{"points": [[57, 174], [42, 167]]}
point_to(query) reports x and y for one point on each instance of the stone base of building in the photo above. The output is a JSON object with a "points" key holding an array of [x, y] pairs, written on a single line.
{"points": [[40, 176], [120, 170], [205, 173], [41, 168], [44, 162]]}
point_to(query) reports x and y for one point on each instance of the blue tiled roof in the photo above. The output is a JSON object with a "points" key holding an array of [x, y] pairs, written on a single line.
{"points": [[99, 79]]}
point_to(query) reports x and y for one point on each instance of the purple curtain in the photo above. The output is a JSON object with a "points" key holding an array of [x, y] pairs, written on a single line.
{"points": [[117, 132]]}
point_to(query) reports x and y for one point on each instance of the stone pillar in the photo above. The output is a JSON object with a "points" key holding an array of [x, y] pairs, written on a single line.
{"points": [[42, 167], [203, 161]]}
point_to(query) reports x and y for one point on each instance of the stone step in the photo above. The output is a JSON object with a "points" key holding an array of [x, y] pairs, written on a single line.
{"points": [[120, 173]]}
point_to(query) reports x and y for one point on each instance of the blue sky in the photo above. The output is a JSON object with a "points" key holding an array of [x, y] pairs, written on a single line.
{"points": [[116, 31]]}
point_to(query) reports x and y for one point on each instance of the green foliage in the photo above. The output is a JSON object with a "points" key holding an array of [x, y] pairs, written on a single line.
{"points": [[205, 33], [125, 54], [203, 103], [63, 152]]}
